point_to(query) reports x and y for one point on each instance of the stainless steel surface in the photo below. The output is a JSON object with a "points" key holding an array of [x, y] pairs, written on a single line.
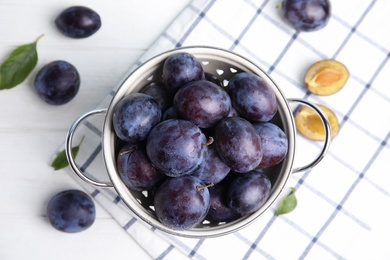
{"points": [[69, 153]]}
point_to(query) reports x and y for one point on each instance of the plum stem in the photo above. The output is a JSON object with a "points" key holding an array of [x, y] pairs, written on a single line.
{"points": [[200, 188], [128, 151], [209, 142]]}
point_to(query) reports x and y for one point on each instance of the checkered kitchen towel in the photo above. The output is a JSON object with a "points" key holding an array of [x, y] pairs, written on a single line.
{"points": [[344, 202]]}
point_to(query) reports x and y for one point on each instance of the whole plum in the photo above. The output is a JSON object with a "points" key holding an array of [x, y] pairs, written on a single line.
{"points": [[158, 91], [170, 113], [176, 147], [274, 143], [248, 192], [181, 203], [219, 210], [134, 116], [202, 102], [238, 144], [212, 170], [306, 15], [71, 211], [57, 82], [78, 22], [252, 97], [181, 68], [136, 170]]}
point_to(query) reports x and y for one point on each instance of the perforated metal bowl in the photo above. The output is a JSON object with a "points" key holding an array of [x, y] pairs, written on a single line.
{"points": [[223, 64]]}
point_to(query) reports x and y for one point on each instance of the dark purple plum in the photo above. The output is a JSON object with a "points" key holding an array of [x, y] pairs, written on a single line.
{"points": [[252, 97], [181, 203], [134, 116], [159, 92], [58, 82], [248, 192], [306, 15], [274, 143], [78, 22], [136, 170], [233, 112], [181, 68], [219, 210], [71, 211], [212, 170], [170, 113], [202, 102], [176, 147], [238, 144]]}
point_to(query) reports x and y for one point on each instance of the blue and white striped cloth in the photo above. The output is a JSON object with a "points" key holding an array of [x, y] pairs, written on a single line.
{"points": [[344, 202]]}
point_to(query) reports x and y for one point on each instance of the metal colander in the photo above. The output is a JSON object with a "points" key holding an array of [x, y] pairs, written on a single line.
{"points": [[223, 64]]}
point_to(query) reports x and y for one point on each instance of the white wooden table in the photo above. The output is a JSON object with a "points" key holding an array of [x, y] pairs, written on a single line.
{"points": [[31, 130]]}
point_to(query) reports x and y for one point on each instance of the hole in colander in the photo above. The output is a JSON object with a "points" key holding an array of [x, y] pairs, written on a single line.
{"points": [[233, 70], [219, 71], [225, 82]]}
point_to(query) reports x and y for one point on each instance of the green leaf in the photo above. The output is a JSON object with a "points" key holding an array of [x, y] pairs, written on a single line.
{"points": [[61, 161], [288, 204], [18, 65]]}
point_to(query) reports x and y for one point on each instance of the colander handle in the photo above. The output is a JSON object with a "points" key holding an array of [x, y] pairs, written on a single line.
{"points": [[69, 153], [328, 134]]}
